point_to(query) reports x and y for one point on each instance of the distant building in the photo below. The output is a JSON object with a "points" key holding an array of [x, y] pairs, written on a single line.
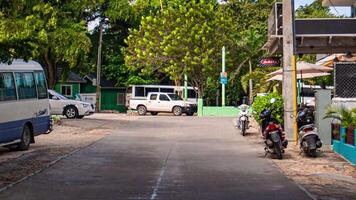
{"points": [[112, 97]]}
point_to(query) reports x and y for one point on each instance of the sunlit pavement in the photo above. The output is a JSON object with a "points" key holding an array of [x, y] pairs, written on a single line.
{"points": [[163, 157]]}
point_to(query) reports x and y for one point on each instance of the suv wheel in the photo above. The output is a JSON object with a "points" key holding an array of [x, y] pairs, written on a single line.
{"points": [[177, 111], [141, 110]]}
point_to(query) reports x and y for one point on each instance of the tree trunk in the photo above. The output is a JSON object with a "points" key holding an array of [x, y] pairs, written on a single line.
{"points": [[51, 71]]}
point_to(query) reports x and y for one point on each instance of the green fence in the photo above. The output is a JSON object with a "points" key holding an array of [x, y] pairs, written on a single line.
{"points": [[226, 111]]}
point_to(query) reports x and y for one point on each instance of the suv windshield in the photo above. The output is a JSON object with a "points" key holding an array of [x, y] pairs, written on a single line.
{"points": [[174, 97]]}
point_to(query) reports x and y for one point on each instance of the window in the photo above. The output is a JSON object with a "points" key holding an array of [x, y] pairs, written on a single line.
{"points": [[148, 90], [7, 87], [174, 97], [192, 94], [167, 90], [66, 90], [41, 85], [139, 91], [153, 96], [26, 87], [121, 99], [163, 97]]}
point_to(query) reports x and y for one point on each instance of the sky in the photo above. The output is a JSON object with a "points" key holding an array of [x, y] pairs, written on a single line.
{"points": [[337, 10]]}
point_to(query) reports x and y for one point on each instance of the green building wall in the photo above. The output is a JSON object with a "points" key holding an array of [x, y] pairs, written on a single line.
{"points": [[109, 100]]}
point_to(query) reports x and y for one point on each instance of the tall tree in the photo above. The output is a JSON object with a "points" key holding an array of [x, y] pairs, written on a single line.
{"points": [[51, 32], [183, 40]]}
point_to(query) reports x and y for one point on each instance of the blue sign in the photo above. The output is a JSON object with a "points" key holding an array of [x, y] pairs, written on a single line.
{"points": [[223, 80]]}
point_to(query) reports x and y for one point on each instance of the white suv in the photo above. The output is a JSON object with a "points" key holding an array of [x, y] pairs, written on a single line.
{"points": [[60, 105]]}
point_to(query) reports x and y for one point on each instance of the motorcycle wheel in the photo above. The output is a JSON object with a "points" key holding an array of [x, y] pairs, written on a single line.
{"points": [[312, 153], [278, 151], [243, 128]]}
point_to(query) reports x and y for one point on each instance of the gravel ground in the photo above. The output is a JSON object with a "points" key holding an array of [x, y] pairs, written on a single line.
{"points": [[326, 177], [70, 136]]}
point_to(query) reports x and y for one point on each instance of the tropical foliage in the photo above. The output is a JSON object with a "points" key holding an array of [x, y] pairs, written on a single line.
{"points": [[346, 116], [262, 103]]}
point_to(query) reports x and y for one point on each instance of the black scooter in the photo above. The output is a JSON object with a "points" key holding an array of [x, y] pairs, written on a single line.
{"points": [[308, 138]]}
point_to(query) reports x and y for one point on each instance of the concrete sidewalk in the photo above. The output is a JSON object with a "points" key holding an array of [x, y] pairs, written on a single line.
{"points": [[163, 158]]}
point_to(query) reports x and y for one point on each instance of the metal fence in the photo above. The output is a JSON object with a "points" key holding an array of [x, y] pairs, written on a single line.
{"points": [[345, 79]]}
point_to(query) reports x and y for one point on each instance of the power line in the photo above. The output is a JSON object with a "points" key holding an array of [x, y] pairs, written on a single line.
{"points": [[334, 7]]}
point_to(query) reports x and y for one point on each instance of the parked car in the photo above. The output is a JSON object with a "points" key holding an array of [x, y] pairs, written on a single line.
{"points": [[61, 105], [162, 102]]}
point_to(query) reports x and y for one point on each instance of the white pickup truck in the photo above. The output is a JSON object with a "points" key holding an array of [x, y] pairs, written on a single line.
{"points": [[162, 102]]}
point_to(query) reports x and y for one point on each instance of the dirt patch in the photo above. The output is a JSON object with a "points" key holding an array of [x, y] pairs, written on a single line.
{"points": [[70, 136], [326, 177]]}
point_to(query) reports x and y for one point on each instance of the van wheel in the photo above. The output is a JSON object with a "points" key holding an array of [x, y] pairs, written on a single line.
{"points": [[25, 139], [71, 112], [177, 111], [142, 110]]}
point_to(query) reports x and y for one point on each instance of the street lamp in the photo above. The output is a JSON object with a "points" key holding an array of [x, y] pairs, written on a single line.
{"points": [[98, 65]]}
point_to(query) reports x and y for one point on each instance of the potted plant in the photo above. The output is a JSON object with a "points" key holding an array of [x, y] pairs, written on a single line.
{"points": [[347, 118]]}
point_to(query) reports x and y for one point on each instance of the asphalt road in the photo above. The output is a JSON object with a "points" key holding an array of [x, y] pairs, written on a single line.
{"points": [[163, 157]]}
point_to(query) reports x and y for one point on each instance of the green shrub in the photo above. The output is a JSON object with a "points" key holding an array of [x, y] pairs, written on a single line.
{"points": [[264, 102], [340, 112]]}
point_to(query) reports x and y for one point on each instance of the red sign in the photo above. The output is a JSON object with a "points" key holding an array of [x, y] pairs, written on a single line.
{"points": [[270, 62]]}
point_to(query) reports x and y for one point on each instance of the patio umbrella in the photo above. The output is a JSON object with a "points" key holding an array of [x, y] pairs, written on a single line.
{"points": [[279, 77], [329, 60], [305, 68]]}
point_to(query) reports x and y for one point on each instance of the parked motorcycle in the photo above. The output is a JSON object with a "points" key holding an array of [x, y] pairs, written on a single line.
{"points": [[308, 138], [243, 119], [272, 132]]}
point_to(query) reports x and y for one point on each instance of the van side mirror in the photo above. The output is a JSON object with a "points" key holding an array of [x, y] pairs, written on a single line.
{"points": [[55, 98]]}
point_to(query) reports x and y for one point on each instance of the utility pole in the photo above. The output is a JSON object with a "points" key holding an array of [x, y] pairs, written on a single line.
{"points": [[250, 84], [98, 69], [289, 70]]}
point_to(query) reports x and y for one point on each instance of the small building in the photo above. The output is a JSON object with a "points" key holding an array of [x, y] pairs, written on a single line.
{"points": [[71, 86], [112, 97]]}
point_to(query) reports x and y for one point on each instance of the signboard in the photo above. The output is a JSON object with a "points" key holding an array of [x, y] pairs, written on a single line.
{"points": [[270, 62], [223, 78]]}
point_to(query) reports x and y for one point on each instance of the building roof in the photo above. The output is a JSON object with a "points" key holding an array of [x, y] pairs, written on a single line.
{"points": [[104, 83], [339, 2], [313, 36], [72, 77]]}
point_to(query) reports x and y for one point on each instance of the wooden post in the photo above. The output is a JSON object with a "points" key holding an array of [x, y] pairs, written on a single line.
{"points": [[98, 69], [289, 69]]}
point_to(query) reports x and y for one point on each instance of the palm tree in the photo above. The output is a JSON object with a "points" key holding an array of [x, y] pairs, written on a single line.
{"points": [[346, 116]]}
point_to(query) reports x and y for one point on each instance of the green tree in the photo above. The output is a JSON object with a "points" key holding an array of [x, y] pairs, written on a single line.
{"points": [[52, 32], [187, 39], [314, 10]]}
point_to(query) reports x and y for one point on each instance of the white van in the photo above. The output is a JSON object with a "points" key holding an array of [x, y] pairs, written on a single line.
{"points": [[24, 105]]}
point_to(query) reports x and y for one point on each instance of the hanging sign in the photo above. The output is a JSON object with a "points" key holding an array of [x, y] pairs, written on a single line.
{"points": [[270, 62]]}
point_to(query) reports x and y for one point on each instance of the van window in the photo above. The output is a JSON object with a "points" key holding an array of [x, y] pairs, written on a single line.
{"points": [[7, 87], [163, 97], [139, 91], [41, 85], [148, 90], [26, 85], [192, 94]]}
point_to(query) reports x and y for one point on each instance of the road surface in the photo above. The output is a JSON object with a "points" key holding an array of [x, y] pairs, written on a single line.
{"points": [[163, 157]]}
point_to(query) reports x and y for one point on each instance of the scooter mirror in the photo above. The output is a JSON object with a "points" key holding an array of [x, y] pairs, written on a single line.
{"points": [[273, 100]]}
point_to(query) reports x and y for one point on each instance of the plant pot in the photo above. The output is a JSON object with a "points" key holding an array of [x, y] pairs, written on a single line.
{"points": [[335, 131], [350, 136]]}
